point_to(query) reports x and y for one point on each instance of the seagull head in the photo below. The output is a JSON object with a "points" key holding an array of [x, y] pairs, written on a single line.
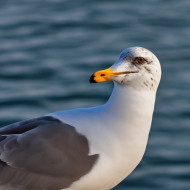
{"points": [[136, 66]]}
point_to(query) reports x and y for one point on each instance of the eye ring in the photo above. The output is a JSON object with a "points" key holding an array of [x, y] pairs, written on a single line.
{"points": [[139, 60]]}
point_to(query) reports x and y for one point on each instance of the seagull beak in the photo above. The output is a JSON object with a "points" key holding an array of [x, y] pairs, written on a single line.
{"points": [[106, 75]]}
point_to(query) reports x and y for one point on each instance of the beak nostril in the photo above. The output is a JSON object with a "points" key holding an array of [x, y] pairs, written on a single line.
{"points": [[102, 75]]}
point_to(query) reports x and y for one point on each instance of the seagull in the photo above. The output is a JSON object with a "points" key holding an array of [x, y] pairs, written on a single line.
{"points": [[86, 148]]}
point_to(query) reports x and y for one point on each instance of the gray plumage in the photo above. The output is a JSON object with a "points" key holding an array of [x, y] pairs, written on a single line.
{"points": [[42, 154]]}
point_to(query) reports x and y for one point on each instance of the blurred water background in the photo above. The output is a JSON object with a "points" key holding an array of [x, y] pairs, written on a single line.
{"points": [[49, 49]]}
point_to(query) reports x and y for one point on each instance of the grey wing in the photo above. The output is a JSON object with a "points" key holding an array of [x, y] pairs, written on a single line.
{"points": [[42, 153]]}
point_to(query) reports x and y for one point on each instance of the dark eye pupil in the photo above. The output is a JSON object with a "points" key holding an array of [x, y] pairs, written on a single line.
{"points": [[139, 60]]}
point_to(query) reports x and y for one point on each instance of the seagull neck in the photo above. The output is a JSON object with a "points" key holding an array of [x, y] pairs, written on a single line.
{"points": [[125, 100]]}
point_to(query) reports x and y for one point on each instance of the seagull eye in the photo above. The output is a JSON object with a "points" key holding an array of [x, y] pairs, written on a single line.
{"points": [[139, 60]]}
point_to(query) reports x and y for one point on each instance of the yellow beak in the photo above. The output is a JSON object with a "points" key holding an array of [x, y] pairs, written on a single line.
{"points": [[105, 75]]}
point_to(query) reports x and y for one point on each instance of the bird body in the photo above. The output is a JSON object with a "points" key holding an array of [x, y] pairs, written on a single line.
{"points": [[89, 148], [119, 143]]}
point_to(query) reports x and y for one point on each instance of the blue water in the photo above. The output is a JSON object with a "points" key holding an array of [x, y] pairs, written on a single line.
{"points": [[49, 49]]}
